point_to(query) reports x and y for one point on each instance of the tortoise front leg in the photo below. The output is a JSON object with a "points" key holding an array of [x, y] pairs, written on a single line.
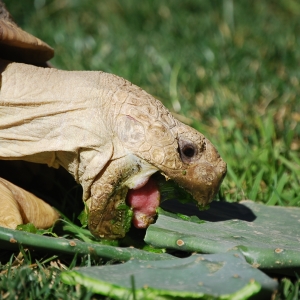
{"points": [[20, 207]]}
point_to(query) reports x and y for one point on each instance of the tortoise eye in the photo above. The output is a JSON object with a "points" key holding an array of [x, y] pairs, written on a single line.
{"points": [[187, 151]]}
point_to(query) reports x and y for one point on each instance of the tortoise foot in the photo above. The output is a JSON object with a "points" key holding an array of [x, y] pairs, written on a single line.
{"points": [[20, 207]]}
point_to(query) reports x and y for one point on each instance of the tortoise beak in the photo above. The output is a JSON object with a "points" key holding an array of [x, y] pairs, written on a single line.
{"points": [[209, 181]]}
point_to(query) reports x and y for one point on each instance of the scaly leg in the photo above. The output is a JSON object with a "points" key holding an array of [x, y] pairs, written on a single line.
{"points": [[20, 207]]}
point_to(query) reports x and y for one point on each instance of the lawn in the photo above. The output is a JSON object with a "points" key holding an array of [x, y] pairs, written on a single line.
{"points": [[228, 68]]}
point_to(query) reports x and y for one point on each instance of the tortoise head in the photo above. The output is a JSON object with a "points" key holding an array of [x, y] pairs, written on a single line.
{"points": [[178, 151], [201, 169]]}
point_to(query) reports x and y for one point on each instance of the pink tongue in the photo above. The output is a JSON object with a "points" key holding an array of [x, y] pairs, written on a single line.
{"points": [[144, 202]]}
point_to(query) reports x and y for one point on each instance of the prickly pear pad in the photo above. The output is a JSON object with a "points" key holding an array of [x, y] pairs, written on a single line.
{"points": [[271, 241], [217, 276]]}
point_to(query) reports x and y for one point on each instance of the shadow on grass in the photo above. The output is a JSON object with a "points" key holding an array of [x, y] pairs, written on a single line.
{"points": [[219, 211]]}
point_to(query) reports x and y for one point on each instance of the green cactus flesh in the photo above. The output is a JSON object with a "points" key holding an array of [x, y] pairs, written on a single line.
{"points": [[271, 241], [215, 276]]}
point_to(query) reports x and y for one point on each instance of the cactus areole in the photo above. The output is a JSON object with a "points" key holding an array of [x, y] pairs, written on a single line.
{"points": [[108, 133]]}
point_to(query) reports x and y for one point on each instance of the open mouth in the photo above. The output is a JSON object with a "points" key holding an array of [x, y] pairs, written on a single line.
{"points": [[144, 200]]}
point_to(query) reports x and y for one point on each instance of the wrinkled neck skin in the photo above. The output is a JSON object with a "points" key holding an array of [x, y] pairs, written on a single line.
{"points": [[59, 118]]}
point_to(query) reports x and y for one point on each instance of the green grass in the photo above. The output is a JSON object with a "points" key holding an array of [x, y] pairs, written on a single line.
{"points": [[228, 68], [26, 278]]}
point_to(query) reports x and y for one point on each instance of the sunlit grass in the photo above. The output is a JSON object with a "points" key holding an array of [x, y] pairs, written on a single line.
{"points": [[24, 277]]}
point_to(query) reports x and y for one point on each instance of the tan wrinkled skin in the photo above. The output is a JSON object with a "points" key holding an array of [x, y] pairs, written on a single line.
{"points": [[107, 132], [19, 206]]}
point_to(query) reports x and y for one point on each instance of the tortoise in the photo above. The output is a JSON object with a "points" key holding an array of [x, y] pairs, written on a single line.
{"points": [[108, 133]]}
